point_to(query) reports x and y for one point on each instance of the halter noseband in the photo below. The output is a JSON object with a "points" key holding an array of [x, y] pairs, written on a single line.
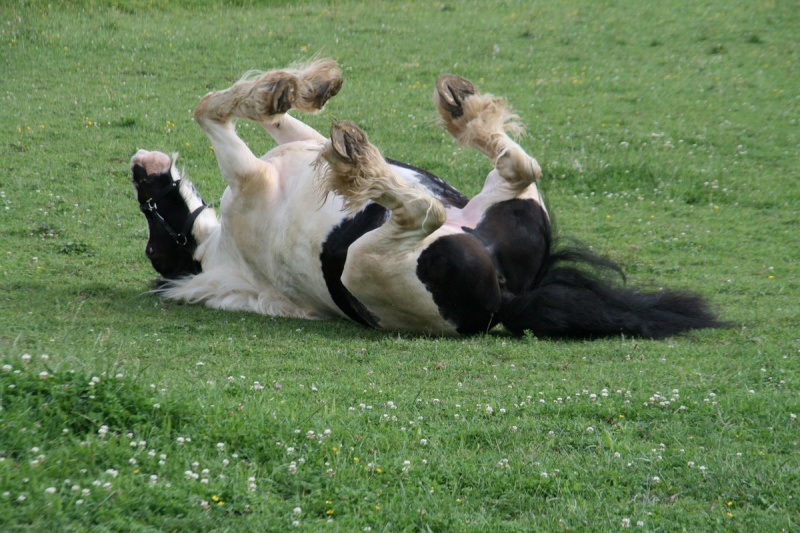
{"points": [[151, 205]]}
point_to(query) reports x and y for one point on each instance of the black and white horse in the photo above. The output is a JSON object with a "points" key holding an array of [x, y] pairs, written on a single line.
{"points": [[327, 227]]}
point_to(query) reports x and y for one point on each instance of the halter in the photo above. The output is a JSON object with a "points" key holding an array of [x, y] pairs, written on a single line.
{"points": [[151, 205]]}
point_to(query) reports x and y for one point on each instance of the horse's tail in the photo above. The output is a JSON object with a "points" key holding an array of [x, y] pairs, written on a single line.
{"points": [[574, 296]]}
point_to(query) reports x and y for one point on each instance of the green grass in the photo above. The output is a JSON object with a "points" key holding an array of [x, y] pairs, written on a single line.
{"points": [[669, 140]]}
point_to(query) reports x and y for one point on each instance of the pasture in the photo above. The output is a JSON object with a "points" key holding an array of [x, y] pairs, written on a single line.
{"points": [[668, 137]]}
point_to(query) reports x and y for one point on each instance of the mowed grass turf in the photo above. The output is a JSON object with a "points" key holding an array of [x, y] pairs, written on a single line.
{"points": [[668, 137]]}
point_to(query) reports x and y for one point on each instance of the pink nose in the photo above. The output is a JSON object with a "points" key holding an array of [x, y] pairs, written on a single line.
{"points": [[153, 163]]}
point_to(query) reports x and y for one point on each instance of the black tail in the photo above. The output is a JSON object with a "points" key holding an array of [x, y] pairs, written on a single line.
{"points": [[575, 296]]}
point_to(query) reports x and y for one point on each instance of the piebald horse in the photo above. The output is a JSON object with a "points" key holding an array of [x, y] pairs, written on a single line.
{"points": [[328, 227]]}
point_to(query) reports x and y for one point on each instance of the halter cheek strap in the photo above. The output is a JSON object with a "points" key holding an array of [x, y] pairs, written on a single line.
{"points": [[151, 205]]}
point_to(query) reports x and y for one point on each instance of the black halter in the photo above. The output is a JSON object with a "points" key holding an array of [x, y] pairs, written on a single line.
{"points": [[151, 206]]}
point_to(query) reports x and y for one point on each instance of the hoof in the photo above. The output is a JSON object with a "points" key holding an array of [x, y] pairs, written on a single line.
{"points": [[452, 91], [283, 96], [348, 141], [326, 91]]}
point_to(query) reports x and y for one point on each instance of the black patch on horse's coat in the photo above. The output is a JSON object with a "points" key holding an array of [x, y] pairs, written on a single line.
{"points": [[469, 275], [334, 255], [170, 259], [517, 235], [460, 275], [439, 188]]}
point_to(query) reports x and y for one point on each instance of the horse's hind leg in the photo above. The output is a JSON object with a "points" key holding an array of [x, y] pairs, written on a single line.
{"points": [[483, 122], [358, 173]]}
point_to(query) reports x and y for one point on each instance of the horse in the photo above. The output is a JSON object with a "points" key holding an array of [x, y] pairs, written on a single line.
{"points": [[325, 227]]}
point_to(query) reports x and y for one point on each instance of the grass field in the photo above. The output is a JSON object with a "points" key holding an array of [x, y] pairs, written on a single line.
{"points": [[668, 135]]}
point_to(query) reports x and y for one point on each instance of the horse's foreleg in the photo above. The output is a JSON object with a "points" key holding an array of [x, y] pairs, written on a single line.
{"points": [[357, 171], [265, 98], [483, 122], [317, 82], [262, 99]]}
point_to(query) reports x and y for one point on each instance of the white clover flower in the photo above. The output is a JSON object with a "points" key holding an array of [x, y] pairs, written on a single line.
{"points": [[590, 429], [50, 490], [221, 446], [26, 358]]}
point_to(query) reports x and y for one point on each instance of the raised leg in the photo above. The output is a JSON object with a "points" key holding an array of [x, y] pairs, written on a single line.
{"points": [[357, 171], [265, 98], [318, 81], [483, 122], [381, 269]]}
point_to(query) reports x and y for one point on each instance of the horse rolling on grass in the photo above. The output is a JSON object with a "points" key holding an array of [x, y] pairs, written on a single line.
{"points": [[328, 227]]}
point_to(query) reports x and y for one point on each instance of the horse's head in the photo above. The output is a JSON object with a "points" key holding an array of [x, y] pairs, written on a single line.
{"points": [[166, 201]]}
